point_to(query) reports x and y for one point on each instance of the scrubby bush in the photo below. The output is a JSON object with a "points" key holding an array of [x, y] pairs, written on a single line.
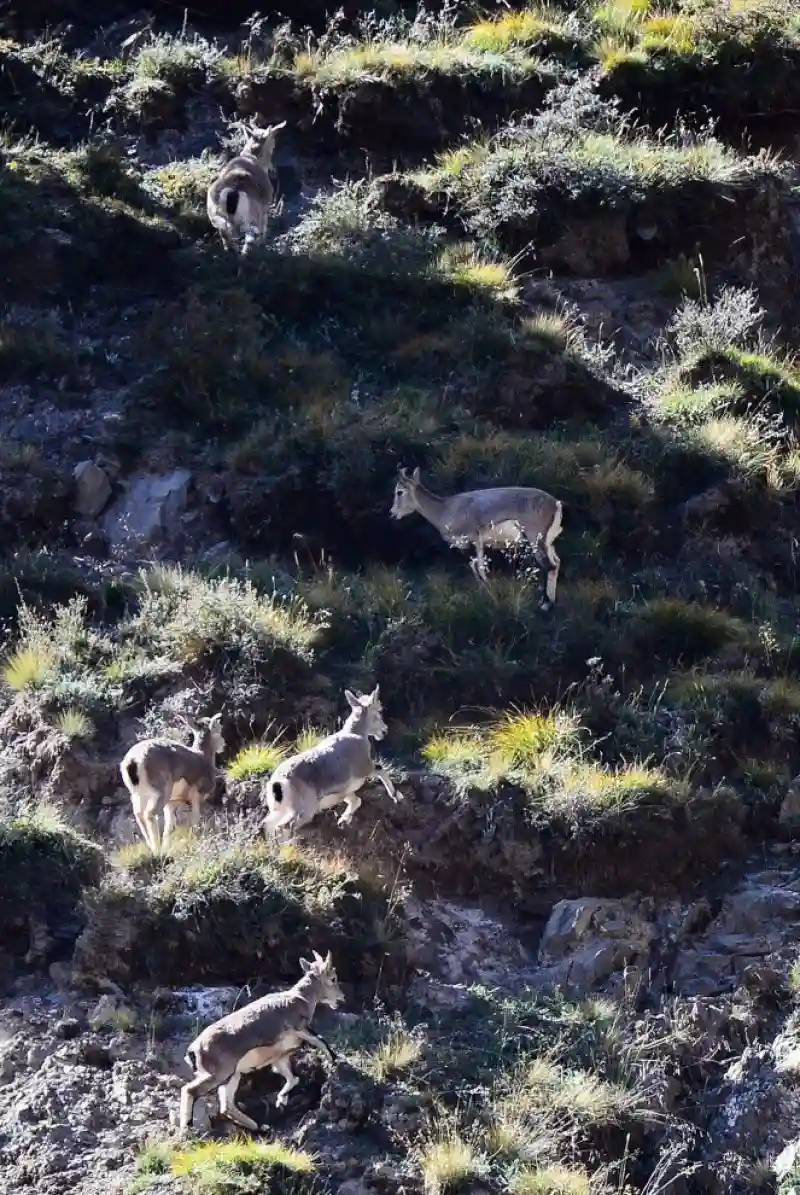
{"points": [[220, 909], [46, 868], [575, 156]]}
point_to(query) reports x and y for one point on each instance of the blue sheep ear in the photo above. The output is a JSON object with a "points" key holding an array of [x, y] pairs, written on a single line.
{"points": [[305, 965], [415, 476]]}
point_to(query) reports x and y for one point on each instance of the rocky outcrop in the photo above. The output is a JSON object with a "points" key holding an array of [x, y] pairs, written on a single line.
{"points": [[151, 506], [92, 489]]}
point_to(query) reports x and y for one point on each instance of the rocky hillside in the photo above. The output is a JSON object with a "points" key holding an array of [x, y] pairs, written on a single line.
{"points": [[551, 246]]}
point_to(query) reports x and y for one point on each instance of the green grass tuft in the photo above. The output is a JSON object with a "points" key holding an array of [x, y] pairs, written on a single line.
{"points": [[28, 668], [550, 1180], [257, 759], [447, 1161]]}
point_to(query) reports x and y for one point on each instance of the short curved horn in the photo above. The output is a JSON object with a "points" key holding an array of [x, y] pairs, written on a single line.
{"points": [[402, 472]]}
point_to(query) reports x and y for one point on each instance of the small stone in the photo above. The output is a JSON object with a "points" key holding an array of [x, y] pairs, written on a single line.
{"points": [[61, 975], [68, 1028], [789, 814], [25, 1113], [153, 504], [93, 489], [95, 1055], [36, 1056], [61, 1134]]}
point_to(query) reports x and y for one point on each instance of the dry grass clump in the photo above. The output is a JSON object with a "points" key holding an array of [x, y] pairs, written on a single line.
{"points": [[541, 1099], [181, 621], [550, 1180], [447, 1160], [190, 619], [398, 1052]]}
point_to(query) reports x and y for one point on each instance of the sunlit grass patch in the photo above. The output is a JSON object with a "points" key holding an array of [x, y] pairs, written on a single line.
{"points": [[544, 1087], [519, 738], [511, 184], [673, 32], [28, 668], [74, 724], [59, 652], [550, 1180], [234, 890], [190, 618], [685, 404], [226, 1168], [461, 751], [768, 378], [465, 266], [308, 737], [45, 864], [589, 787], [340, 65], [183, 185], [533, 29], [170, 59], [545, 755], [551, 327], [197, 1160], [397, 1052], [518, 745], [741, 443], [620, 17], [614, 52], [447, 1160], [257, 759], [137, 858]]}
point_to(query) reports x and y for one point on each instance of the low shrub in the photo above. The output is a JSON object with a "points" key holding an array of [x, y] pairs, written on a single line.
{"points": [[222, 910], [46, 866]]}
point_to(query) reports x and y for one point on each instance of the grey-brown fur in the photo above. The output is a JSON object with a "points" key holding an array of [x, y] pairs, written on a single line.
{"points": [[264, 1033], [490, 518], [239, 200], [161, 774], [330, 772]]}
